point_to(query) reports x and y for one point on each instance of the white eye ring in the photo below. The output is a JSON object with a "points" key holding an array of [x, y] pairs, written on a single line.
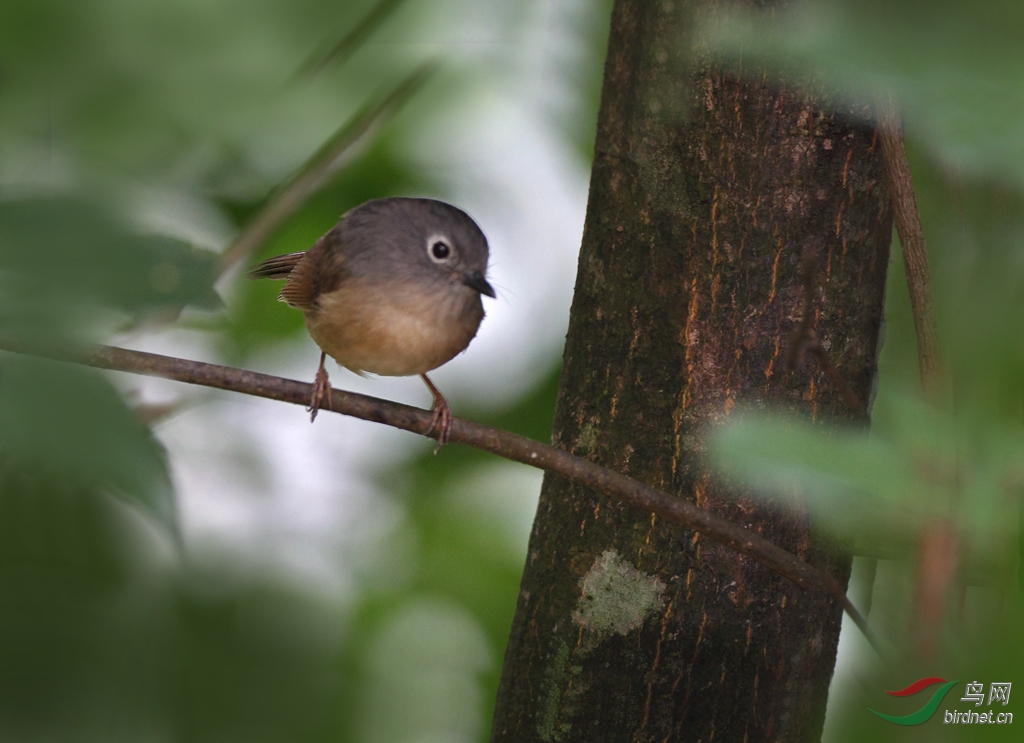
{"points": [[439, 250]]}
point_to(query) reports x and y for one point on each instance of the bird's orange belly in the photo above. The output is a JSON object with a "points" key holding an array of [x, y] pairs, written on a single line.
{"points": [[390, 333]]}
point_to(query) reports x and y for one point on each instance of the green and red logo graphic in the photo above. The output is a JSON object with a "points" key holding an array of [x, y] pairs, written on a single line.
{"points": [[916, 718]]}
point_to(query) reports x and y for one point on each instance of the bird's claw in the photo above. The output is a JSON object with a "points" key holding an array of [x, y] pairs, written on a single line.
{"points": [[440, 421], [321, 392]]}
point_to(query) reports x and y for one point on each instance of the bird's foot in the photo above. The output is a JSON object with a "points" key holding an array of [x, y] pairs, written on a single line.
{"points": [[440, 415], [321, 391], [440, 421]]}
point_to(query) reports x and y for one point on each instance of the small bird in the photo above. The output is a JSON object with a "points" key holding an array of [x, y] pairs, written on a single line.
{"points": [[392, 289]]}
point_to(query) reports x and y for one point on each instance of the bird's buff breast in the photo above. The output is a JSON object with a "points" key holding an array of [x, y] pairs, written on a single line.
{"points": [[391, 331]]}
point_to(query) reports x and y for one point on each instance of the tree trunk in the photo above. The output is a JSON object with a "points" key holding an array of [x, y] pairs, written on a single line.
{"points": [[719, 208]]}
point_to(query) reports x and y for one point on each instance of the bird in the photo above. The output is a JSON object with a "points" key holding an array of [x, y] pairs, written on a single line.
{"points": [[394, 289]]}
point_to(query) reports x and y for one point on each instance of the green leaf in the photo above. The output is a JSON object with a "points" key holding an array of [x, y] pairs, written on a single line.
{"points": [[70, 252], [70, 423], [852, 482], [873, 488], [955, 68]]}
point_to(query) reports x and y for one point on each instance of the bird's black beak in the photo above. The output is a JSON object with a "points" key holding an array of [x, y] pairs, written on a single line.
{"points": [[477, 281]]}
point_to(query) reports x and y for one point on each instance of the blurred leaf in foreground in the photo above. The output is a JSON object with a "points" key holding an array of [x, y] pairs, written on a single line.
{"points": [[70, 423], [987, 647], [60, 255], [883, 489], [423, 656], [954, 68]]}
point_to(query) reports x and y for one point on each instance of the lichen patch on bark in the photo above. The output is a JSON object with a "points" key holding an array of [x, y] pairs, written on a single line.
{"points": [[615, 597]]}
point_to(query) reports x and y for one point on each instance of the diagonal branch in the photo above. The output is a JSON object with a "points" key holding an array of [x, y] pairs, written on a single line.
{"points": [[503, 443], [324, 164], [353, 40]]}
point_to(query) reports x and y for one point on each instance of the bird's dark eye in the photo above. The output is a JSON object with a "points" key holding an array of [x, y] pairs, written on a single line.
{"points": [[440, 251]]}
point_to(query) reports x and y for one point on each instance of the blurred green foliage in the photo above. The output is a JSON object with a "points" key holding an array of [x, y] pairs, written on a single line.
{"points": [[458, 560], [985, 646], [111, 626], [62, 256], [583, 75], [111, 629], [953, 70], [69, 424]]}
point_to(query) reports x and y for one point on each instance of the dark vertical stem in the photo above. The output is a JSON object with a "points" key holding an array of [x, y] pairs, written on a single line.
{"points": [[938, 543], [908, 225]]}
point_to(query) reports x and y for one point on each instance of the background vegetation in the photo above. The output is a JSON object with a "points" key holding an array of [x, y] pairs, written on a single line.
{"points": [[177, 565]]}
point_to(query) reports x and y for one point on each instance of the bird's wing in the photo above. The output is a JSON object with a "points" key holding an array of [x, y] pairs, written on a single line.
{"points": [[321, 270], [308, 274]]}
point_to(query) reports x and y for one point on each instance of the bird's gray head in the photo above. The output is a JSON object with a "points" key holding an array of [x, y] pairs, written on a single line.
{"points": [[422, 240]]}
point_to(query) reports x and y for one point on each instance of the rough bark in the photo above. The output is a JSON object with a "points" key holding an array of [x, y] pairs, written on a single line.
{"points": [[709, 191]]}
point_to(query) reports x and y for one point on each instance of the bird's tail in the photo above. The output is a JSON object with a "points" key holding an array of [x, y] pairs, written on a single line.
{"points": [[279, 267]]}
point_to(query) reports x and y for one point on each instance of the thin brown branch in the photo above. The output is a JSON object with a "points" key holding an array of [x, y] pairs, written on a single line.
{"points": [[908, 225], [353, 40], [324, 164], [937, 554], [503, 443]]}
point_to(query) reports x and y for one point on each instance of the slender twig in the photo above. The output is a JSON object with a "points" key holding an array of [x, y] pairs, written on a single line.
{"points": [[908, 225], [351, 41], [334, 153], [938, 543], [503, 443]]}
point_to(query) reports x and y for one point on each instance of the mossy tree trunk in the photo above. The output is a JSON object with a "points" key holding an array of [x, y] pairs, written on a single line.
{"points": [[708, 194]]}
